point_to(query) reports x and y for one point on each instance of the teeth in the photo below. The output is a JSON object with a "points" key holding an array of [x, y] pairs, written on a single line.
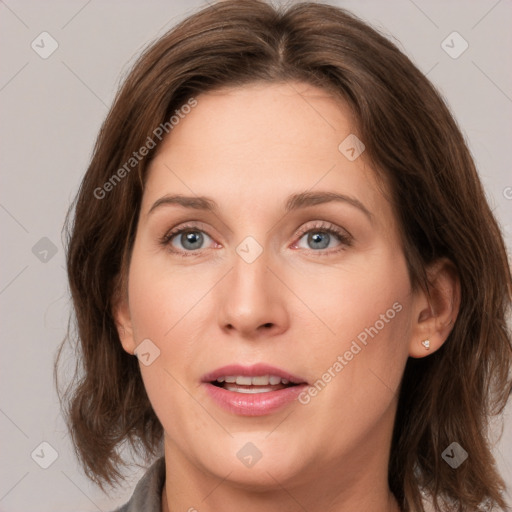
{"points": [[274, 380], [260, 389], [259, 380], [262, 380]]}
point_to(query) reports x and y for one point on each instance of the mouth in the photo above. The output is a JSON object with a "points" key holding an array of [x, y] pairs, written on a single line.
{"points": [[252, 390]]}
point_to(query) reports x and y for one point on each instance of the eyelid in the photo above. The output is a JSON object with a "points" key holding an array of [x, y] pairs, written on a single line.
{"points": [[323, 225]]}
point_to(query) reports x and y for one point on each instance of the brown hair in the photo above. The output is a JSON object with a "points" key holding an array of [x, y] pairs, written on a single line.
{"points": [[411, 139]]}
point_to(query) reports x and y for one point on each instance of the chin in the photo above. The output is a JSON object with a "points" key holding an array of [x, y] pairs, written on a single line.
{"points": [[255, 463]]}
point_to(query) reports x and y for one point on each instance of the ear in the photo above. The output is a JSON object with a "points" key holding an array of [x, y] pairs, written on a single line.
{"points": [[122, 318], [435, 310]]}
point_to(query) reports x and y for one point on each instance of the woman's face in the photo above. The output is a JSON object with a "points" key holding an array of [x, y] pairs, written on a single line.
{"points": [[275, 280]]}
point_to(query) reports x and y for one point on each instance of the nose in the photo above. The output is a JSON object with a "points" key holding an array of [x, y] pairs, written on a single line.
{"points": [[252, 299]]}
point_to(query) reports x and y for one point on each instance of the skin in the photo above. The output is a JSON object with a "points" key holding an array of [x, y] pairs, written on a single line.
{"points": [[296, 306]]}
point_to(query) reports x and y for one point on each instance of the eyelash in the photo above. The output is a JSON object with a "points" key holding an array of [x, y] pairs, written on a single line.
{"points": [[323, 227]]}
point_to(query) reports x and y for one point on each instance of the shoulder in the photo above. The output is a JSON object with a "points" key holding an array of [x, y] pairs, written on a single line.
{"points": [[147, 495]]}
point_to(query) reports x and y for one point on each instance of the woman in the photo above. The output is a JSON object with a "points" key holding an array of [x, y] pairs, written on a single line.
{"points": [[288, 285]]}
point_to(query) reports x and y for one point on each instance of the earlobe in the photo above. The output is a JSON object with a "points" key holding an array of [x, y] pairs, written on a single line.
{"points": [[435, 309]]}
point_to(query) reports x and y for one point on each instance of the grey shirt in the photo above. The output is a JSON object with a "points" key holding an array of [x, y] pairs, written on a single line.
{"points": [[147, 496]]}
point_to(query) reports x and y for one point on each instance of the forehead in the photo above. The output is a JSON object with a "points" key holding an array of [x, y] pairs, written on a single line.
{"points": [[261, 141], [303, 117]]}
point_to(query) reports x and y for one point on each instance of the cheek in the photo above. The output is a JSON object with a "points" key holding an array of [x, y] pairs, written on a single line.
{"points": [[161, 295], [366, 291], [366, 312], [165, 307]]}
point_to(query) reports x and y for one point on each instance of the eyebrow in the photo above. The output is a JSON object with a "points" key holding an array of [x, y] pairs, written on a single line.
{"points": [[293, 202]]}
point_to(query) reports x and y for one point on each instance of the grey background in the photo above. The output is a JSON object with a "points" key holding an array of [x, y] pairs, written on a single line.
{"points": [[51, 110]]}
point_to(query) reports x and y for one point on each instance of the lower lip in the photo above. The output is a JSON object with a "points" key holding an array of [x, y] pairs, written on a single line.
{"points": [[253, 404]]}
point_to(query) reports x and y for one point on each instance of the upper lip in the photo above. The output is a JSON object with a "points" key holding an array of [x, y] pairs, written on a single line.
{"points": [[251, 371]]}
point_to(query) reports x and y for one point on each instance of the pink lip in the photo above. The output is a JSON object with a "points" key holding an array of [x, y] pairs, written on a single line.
{"points": [[257, 404]]}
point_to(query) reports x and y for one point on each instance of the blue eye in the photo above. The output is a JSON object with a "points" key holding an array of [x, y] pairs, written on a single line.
{"points": [[320, 239], [189, 240]]}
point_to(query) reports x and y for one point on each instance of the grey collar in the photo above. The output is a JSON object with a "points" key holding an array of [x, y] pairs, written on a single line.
{"points": [[147, 495]]}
